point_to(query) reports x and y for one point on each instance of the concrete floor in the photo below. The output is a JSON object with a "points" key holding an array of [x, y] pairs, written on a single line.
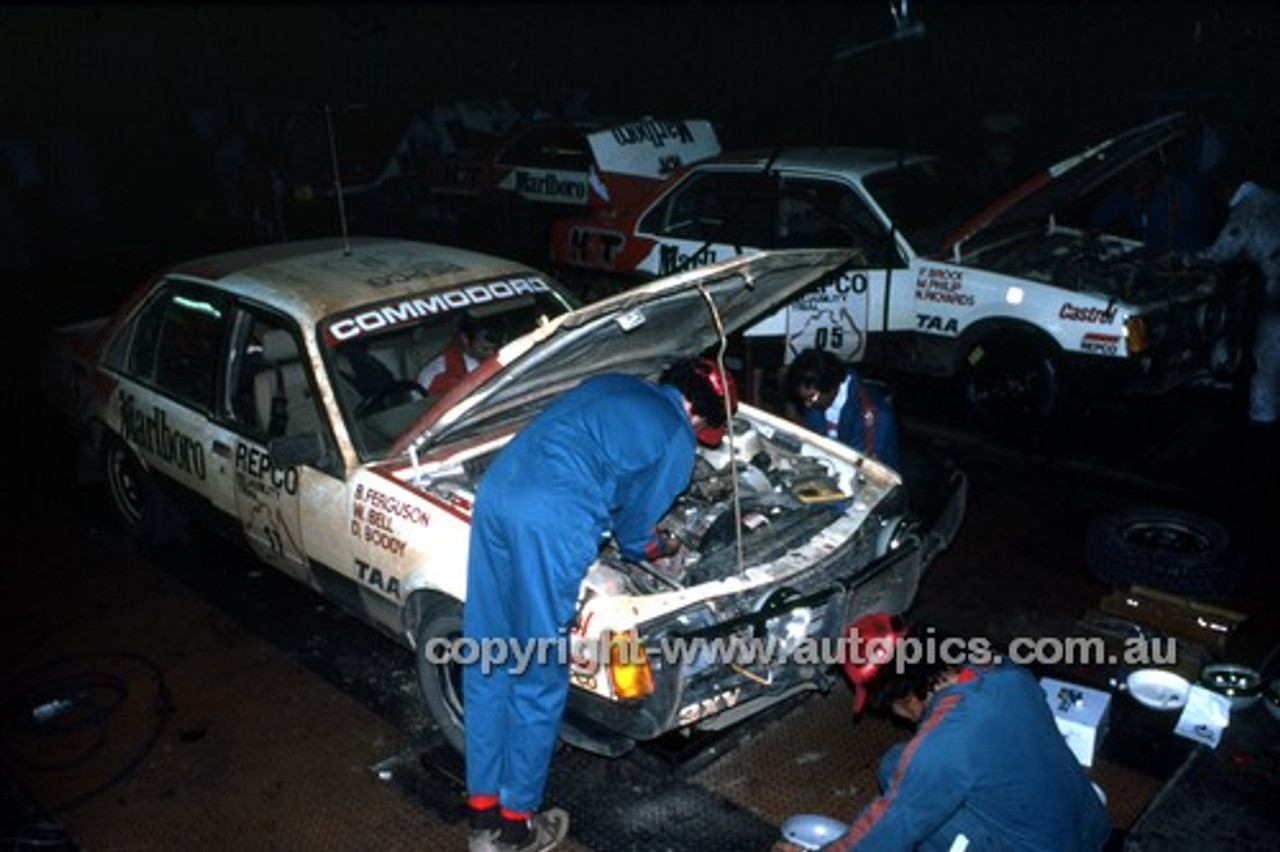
{"points": [[235, 710]]}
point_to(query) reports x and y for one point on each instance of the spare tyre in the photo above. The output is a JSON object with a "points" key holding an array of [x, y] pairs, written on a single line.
{"points": [[1167, 549]]}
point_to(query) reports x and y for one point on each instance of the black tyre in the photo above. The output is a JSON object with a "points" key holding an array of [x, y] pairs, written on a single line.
{"points": [[441, 683], [1012, 383], [137, 500], [1167, 549]]}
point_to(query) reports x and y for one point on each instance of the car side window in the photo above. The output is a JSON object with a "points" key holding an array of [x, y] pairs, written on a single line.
{"points": [[550, 148], [175, 341], [825, 213], [719, 207], [273, 395]]}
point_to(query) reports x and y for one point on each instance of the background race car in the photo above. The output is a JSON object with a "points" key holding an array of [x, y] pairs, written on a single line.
{"points": [[503, 192], [1015, 304]]}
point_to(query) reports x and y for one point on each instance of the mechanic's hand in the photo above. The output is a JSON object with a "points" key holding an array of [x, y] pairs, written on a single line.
{"points": [[784, 846], [673, 566], [668, 545]]}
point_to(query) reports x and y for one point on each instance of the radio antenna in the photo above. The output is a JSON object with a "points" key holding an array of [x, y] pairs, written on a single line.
{"points": [[337, 181]]}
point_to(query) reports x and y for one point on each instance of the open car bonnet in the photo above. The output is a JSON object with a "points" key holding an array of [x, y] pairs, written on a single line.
{"points": [[1077, 175], [638, 331]]}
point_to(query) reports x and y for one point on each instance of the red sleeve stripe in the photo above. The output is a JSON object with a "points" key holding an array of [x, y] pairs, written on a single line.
{"points": [[877, 809]]}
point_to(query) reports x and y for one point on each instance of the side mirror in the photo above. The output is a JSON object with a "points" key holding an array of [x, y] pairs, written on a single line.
{"points": [[292, 450]]}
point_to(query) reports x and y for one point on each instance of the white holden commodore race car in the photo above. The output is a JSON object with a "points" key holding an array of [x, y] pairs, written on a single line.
{"points": [[1020, 304], [271, 392]]}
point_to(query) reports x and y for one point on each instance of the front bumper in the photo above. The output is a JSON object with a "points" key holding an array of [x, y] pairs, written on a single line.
{"points": [[715, 676]]}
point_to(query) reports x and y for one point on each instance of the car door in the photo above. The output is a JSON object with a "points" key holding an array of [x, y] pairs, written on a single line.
{"points": [[716, 214], [270, 396], [167, 358]]}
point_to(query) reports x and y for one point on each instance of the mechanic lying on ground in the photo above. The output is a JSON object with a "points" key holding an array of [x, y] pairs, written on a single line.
{"points": [[834, 401], [986, 762], [609, 456]]}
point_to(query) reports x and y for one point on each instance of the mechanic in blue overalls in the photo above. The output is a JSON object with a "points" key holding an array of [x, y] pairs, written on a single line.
{"points": [[607, 457], [836, 402], [986, 769]]}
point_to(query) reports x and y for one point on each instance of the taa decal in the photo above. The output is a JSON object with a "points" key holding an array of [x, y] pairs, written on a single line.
{"points": [[726, 700], [374, 578], [941, 325], [151, 431]]}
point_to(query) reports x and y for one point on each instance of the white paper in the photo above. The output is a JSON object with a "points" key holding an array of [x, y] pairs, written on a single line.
{"points": [[1205, 717]]}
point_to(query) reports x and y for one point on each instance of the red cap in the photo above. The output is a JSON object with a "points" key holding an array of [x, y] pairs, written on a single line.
{"points": [[711, 436], [872, 641], [724, 391]]}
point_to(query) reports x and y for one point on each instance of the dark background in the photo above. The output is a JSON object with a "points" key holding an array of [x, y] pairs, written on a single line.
{"points": [[123, 103]]}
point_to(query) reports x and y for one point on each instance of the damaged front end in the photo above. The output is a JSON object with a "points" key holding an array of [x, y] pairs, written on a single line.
{"points": [[785, 546]]}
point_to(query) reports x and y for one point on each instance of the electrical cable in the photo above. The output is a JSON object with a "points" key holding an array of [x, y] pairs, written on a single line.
{"points": [[723, 344], [43, 702]]}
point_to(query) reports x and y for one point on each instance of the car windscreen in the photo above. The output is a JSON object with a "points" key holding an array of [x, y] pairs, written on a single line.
{"points": [[388, 363]]}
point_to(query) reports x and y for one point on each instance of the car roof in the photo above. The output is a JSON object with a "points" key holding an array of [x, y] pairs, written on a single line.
{"points": [[312, 279], [851, 160]]}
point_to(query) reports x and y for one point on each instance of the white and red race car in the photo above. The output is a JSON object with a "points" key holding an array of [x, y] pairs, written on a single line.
{"points": [[504, 194], [1014, 303], [271, 393]]}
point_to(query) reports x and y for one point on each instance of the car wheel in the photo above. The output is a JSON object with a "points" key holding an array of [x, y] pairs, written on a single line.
{"points": [[1167, 549], [137, 499], [1012, 383], [441, 682]]}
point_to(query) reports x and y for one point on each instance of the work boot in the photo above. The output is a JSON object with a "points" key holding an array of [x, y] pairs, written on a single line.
{"points": [[483, 840], [545, 831]]}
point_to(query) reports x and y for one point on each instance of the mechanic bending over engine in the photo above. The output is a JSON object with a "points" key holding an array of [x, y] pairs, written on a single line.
{"points": [[609, 456], [472, 342], [834, 401], [986, 762]]}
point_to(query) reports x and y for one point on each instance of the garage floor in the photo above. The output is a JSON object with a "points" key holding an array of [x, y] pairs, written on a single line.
{"points": [[216, 706]]}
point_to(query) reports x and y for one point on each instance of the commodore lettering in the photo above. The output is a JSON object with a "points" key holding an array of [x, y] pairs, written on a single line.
{"points": [[411, 310]]}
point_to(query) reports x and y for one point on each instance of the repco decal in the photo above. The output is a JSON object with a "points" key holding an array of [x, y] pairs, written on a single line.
{"points": [[255, 463], [151, 432], [1100, 344], [411, 310], [1076, 313]]}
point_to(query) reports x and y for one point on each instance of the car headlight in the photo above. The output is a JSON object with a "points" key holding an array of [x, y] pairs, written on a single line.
{"points": [[629, 665], [1135, 335]]}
